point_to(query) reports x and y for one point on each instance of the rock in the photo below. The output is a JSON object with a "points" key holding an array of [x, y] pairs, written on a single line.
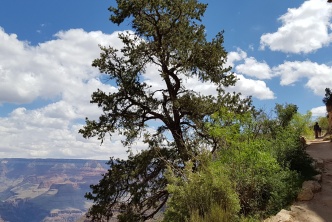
{"points": [[282, 216], [308, 189], [313, 185], [318, 177], [305, 194], [303, 142], [319, 164]]}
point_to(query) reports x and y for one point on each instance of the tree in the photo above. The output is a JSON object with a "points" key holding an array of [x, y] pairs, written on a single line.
{"points": [[323, 123], [327, 100], [285, 113], [169, 35]]}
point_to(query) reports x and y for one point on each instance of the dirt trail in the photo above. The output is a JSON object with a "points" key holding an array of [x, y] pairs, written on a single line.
{"points": [[319, 209]]}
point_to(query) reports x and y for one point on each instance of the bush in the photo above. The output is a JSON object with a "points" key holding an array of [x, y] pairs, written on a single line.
{"points": [[288, 151], [258, 170], [263, 186], [215, 214], [204, 194]]}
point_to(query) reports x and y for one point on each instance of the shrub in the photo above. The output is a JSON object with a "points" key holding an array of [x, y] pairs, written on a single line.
{"points": [[205, 193], [288, 151], [263, 186], [215, 214]]}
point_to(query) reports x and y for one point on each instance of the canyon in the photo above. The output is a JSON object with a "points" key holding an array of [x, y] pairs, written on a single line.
{"points": [[46, 190]]}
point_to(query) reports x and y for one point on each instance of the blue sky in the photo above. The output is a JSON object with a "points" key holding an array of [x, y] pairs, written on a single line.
{"points": [[280, 51]]}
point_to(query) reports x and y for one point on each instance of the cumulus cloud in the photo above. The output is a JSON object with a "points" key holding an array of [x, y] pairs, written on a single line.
{"points": [[318, 111], [251, 67], [246, 68], [37, 134], [254, 88], [304, 29], [235, 56], [47, 70], [59, 73], [318, 75]]}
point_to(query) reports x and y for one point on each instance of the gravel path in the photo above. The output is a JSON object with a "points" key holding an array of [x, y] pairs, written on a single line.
{"points": [[318, 209]]}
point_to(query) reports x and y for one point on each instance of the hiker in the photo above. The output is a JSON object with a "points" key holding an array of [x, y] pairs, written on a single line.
{"points": [[316, 129], [320, 131]]}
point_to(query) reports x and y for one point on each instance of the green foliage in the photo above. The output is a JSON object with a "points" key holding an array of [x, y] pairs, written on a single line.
{"points": [[327, 100], [289, 152], [204, 195], [263, 156], [215, 214], [285, 113], [229, 128], [266, 171], [323, 122], [263, 186], [301, 124]]}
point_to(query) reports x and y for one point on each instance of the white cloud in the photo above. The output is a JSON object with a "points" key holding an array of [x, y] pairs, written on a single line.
{"points": [[31, 134], [251, 67], [233, 57], [318, 75], [49, 69], [318, 111], [304, 29], [60, 71], [250, 87]]}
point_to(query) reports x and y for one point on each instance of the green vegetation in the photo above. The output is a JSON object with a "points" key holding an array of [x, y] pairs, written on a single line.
{"points": [[323, 122], [207, 191], [256, 175], [211, 158], [327, 100]]}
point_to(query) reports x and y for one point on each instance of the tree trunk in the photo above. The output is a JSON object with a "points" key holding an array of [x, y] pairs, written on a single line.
{"points": [[329, 112]]}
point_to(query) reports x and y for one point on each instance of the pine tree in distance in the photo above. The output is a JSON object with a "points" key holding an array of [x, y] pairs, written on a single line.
{"points": [[167, 34]]}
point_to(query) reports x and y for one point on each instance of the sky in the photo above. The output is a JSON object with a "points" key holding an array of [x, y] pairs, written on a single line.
{"points": [[279, 50]]}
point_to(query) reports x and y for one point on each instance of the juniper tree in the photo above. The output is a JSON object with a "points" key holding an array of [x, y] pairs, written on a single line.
{"points": [[169, 35]]}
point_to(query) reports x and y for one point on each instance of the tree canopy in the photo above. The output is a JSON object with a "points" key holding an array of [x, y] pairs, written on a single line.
{"points": [[327, 100], [167, 35]]}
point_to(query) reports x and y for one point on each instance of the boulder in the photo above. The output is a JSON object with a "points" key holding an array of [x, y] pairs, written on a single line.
{"points": [[318, 177], [305, 194], [313, 185], [303, 142], [319, 164], [282, 216], [308, 189]]}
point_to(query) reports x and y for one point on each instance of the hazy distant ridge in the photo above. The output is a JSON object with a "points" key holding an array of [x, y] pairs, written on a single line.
{"points": [[46, 189]]}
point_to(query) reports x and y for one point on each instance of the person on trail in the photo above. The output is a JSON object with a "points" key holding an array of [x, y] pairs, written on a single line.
{"points": [[316, 129]]}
